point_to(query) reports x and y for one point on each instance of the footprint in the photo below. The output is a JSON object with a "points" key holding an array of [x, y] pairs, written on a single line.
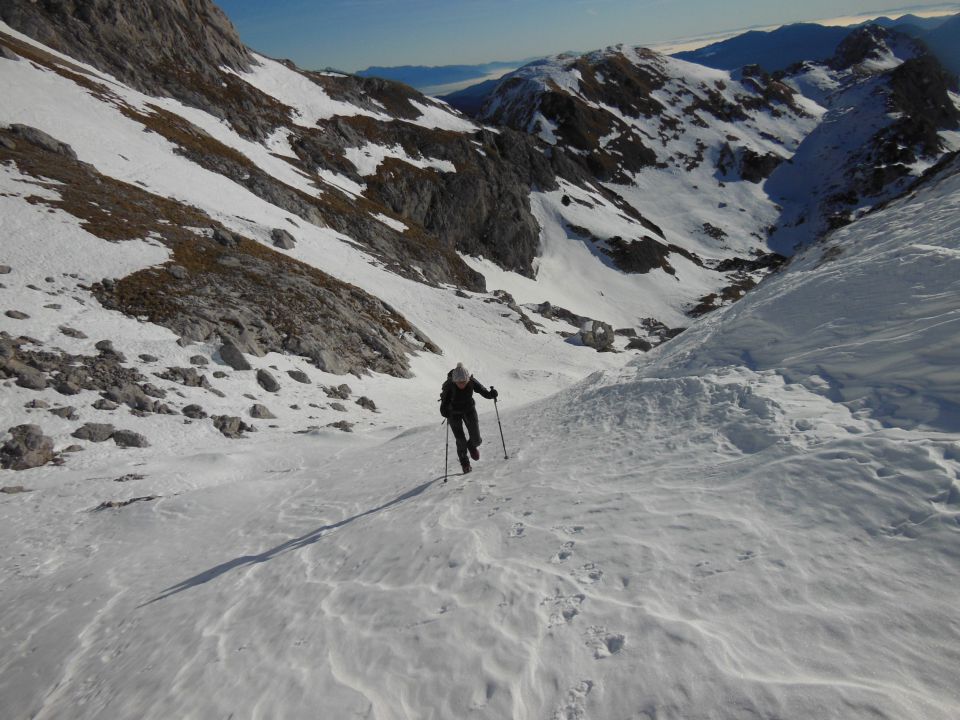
{"points": [[574, 702], [604, 644], [517, 530], [589, 573], [745, 555], [563, 608], [565, 552]]}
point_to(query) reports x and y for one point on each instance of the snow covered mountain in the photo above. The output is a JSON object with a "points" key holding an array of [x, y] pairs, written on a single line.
{"points": [[759, 518], [207, 276], [804, 149]]}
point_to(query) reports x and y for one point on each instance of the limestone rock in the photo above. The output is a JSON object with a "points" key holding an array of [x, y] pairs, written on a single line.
{"points": [[94, 432], [261, 412], [27, 448], [232, 356], [267, 381], [282, 239], [128, 439]]}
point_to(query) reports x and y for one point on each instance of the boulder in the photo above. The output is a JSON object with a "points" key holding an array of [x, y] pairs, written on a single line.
{"points": [[598, 335], [267, 381], [148, 358], [341, 392], [43, 140], [178, 272], [28, 377], [230, 425], [128, 439], [94, 432], [299, 376], [367, 403], [5, 269], [225, 237], [103, 404], [639, 344], [37, 405], [282, 239], [199, 360], [231, 355], [261, 412], [73, 332], [27, 448], [194, 411], [69, 412], [16, 315], [342, 425]]}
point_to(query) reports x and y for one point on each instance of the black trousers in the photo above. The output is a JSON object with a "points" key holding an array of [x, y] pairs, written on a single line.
{"points": [[457, 421]]}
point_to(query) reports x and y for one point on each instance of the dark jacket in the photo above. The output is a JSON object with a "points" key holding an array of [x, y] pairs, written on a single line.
{"points": [[454, 401]]}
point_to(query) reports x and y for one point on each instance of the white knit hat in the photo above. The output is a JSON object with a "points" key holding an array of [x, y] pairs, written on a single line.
{"points": [[460, 373]]}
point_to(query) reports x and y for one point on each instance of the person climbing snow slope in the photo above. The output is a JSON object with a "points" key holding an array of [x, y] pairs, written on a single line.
{"points": [[459, 407]]}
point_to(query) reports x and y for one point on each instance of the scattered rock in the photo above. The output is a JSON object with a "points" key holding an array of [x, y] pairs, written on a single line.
{"points": [[17, 315], [68, 388], [148, 358], [53, 306], [225, 237], [300, 376], [194, 411], [112, 504], [28, 377], [37, 405], [5, 269], [231, 426], [219, 374], [94, 432], [27, 448], [639, 344], [261, 412], [282, 239], [199, 360], [338, 407], [231, 355], [342, 425], [267, 381], [179, 272], [69, 412], [341, 392], [129, 477], [103, 404], [598, 335], [14, 490], [185, 376], [73, 449], [153, 391], [367, 403], [128, 439], [73, 332]]}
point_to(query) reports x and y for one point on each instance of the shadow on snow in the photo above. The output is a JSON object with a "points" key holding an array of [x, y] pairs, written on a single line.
{"points": [[293, 544]]}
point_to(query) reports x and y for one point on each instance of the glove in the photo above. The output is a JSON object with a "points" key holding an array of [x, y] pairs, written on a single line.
{"points": [[493, 393]]}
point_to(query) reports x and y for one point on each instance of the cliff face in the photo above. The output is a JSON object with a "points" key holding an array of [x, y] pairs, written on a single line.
{"points": [[145, 44]]}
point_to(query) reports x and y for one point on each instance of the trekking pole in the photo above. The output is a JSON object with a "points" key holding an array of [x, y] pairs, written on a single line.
{"points": [[446, 454], [505, 457]]}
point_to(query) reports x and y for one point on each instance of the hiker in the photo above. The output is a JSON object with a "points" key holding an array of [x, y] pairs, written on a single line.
{"points": [[458, 406]]}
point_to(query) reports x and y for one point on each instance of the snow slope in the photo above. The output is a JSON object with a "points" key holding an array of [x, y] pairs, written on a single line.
{"points": [[711, 534], [758, 520]]}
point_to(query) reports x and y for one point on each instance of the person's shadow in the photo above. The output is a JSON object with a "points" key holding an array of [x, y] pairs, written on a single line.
{"points": [[293, 544]]}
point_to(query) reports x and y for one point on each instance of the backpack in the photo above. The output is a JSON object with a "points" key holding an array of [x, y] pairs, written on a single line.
{"points": [[443, 390]]}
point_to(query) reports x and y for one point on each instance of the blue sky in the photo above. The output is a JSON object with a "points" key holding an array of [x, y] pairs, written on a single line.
{"points": [[354, 34]]}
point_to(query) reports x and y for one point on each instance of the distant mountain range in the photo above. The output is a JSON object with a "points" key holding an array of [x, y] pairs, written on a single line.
{"points": [[423, 76], [779, 49]]}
